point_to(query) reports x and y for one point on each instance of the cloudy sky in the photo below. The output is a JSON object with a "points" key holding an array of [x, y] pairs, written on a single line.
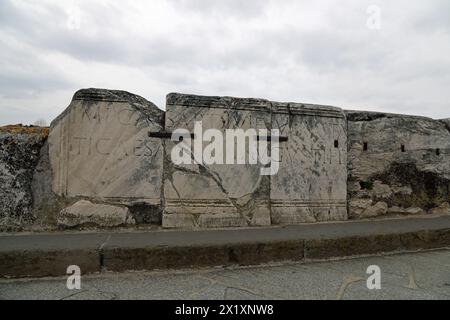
{"points": [[343, 53]]}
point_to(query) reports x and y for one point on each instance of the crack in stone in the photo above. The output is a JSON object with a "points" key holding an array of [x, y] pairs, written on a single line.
{"points": [[225, 293], [245, 289], [204, 171], [204, 289], [348, 280], [110, 295], [412, 279], [73, 294]]}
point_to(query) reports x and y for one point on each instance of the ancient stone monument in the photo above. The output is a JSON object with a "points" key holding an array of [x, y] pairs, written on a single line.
{"points": [[309, 186], [100, 149], [218, 195], [108, 162], [397, 164]]}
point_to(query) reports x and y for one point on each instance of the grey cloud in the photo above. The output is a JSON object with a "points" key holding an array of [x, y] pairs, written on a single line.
{"points": [[231, 8], [24, 75], [233, 49]]}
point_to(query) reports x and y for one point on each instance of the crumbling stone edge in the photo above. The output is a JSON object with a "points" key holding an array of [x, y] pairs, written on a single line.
{"points": [[51, 263]]}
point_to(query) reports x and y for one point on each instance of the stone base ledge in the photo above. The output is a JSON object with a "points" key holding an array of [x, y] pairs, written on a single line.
{"points": [[49, 255]]}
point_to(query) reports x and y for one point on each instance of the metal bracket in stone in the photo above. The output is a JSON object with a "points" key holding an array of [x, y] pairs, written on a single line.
{"points": [[164, 135], [168, 135]]}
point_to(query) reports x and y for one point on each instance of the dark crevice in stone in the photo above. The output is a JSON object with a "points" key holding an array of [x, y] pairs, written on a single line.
{"points": [[354, 116], [366, 185], [364, 116], [446, 123], [144, 213], [429, 189], [232, 257]]}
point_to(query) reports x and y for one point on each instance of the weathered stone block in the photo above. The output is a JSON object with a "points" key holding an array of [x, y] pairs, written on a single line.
{"points": [[399, 159], [179, 220], [357, 207], [219, 194], [443, 209], [379, 209], [100, 149], [221, 221], [20, 147], [395, 210], [415, 211], [381, 190], [311, 184], [101, 215]]}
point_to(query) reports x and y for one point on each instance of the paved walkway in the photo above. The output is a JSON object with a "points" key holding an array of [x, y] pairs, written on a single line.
{"points": [[424, 275], [50, 254], [77, 240]]}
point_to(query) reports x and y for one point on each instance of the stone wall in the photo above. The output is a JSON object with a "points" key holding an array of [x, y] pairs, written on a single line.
{"points": [[310, 185], [19, 155], [214, 195], [398, 165], [107, 163], [99, 150]]}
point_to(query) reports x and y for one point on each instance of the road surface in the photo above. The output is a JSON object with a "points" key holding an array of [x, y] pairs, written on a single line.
{"points": [[424, 275]]}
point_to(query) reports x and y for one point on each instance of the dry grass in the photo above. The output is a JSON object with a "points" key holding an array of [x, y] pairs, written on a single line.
{"points": [[21, 129]]}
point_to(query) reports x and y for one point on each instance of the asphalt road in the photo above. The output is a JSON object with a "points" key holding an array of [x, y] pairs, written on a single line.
{"points": [[424, 275], [136, 239]]}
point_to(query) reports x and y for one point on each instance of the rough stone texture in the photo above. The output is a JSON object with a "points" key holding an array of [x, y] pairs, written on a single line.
{"points": [[379, 209], [415, 211], [310, 185], [179, 220], [443, 209], [357, 206], [446, 122], [401, 160], [218, 195], [19, 154], [113, 147], [46, 204], [396, 211], [84, 213], [100, 149]]}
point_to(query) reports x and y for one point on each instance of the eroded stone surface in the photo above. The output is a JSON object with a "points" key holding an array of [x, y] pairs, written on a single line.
{"points": [[357, 207], [19, 154], [215, 195], [395, 210], [401, 160], [100, 149], [443, 209], [381, 190], [84, 213], [415, 211], [379, 209], [311, 184]]}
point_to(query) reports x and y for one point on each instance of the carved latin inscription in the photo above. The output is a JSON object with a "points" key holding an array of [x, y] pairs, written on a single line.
{"points": [[101, 149]]}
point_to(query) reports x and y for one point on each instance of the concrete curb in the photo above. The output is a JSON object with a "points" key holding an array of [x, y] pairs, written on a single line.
{"points": [[50, 255]]}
